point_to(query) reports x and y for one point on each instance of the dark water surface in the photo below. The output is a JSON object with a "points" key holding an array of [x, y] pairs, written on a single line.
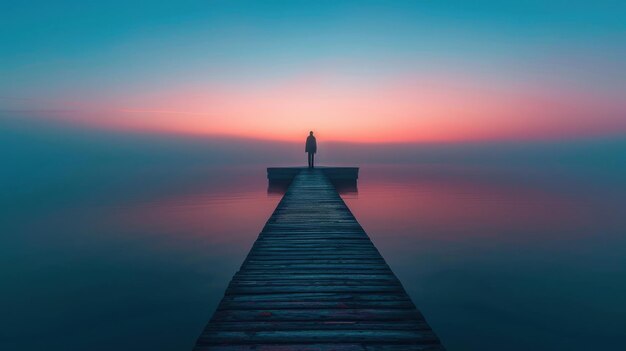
{"points": [[503, 258], [137, 257]]}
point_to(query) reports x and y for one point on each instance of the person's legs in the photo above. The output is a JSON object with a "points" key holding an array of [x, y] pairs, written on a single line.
{"points": [[309, 159], [312, 160]]}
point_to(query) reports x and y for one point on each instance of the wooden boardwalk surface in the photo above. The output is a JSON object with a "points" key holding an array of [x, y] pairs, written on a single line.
{"points": [[314, 281]]}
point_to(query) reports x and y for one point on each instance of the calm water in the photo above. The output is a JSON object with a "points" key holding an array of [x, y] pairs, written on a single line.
{"points": [[504, 259], [137, 257]]}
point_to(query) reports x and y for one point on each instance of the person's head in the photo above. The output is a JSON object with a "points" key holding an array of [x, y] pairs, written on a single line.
{"points": [[311, 133]]}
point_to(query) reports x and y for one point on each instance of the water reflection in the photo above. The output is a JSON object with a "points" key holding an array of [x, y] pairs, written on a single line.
{"points": [[344, 187], [278, 187], [529, 258], [140, 266], [504, 255], [465, 207]]}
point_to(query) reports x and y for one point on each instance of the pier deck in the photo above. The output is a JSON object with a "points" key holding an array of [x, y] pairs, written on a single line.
{"points": [[313, 280]]}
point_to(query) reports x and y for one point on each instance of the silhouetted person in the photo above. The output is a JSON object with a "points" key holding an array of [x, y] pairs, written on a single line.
{"points": [[311, 149]]}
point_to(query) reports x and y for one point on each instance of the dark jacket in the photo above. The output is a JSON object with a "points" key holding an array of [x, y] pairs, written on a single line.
{"points": [[311, 145]]}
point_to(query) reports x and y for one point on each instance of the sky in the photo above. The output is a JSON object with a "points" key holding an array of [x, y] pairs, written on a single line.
{"points": [[355, 71]]}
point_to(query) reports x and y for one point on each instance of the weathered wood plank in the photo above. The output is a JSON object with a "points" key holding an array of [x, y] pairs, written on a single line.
{"points": [[254, 305], [314, 281], [310, 288], [283, 296], [317, 315], [293, 336], [315, 276], [322, 347], [317, 325]]}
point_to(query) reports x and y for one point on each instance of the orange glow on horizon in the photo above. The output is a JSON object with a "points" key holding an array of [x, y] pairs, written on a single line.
{"points": [[420, 109]]}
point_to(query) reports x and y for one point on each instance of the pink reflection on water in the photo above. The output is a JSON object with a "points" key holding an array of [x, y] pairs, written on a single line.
{"points": [[442, 203], [230, 211]]}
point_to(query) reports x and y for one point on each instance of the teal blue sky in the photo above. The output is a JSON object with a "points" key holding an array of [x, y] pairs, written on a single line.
{"points": [[78, 55]]}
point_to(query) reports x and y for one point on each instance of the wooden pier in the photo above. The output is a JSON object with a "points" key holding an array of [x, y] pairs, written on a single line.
{"points": [[313, 280]]}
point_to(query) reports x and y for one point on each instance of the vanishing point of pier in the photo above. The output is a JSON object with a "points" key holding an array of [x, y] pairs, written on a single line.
{"points": [[313, 280]]}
